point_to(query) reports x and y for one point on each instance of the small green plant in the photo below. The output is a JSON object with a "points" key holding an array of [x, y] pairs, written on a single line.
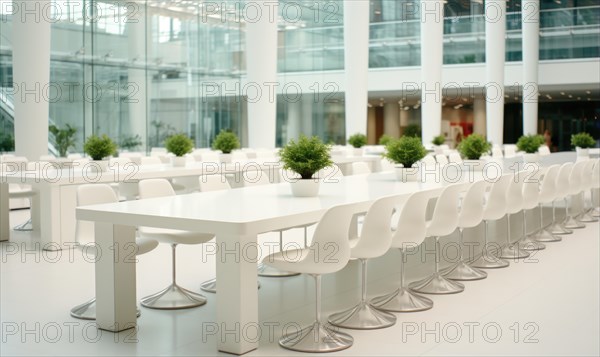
{"points": [[7, 142], [407, 151], [583, 140], [412, 130], [306, 156], [99, 147], [357, 140], [438, 140], [530, 143], [64, 138], [179, 144], [385, 139], [473, 146], [131, 142], [226, 141]]}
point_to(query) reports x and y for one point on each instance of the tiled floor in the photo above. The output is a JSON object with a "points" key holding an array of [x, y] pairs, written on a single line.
{"points": [[546, 305]]}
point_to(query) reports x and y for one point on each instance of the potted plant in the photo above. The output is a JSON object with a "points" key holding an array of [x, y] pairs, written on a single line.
{"points": [[406, 152], [179, 145], [582, 142], [226, 141], [412, 130], [63, 138], [385, 139], [357, 141], [472, 148], [7, 143], [438, 140], [530, 145], [305, 157], [98, 148], [131, 142]]}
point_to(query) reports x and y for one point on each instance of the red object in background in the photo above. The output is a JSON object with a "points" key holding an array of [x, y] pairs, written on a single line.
{"points": [[466, 127]]}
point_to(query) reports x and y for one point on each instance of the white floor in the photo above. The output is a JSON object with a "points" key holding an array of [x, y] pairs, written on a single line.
{"points": [[547, 305]]}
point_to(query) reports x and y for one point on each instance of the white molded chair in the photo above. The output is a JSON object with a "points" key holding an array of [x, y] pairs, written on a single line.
{"points": [[455, 158], [576, 187], [429, 160], [595, 190], [441, 159], [17, 191], [494, 209], [409, 233], [174, 296], [514, 204], [531, 200], [547, 194], [361, 167], [497, 152], [331, 231], [544, 150], [587, 181], [470, 215], [374, 241], [561, 193], [386, 165], [84, 233], [443, 222], [510, 150], [150, 160]]}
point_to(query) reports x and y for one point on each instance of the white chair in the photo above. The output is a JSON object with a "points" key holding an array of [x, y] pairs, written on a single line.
{"points": [[455, 158], [441, 159], [514, 204], [360, 168], [331, 231], [84, 234], [595, 190], [443, 222], [238, 156], [74, 156], [561, 193], [18, 191], [374, 241], [174, 296], [544, 150], [587, 181], [495, 209], [329, 173], [127, 190], [470, 215], [386, 165], [410, 233], [510, 150], [429, 160], [150, 160], [547, 195], [531, 200], [575, 187], [210, 156], [497, 152]]}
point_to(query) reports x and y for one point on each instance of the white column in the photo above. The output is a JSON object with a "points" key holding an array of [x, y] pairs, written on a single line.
{"points": [[495, 52], [479, 116], [261, 66], [391, 119], [356, 59], [31, 73], [432, 49], [531, 53]]}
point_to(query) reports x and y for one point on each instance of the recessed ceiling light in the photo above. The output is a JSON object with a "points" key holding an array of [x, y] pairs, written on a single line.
{"points": [[562, 93], [570, 96], [588, 92]]}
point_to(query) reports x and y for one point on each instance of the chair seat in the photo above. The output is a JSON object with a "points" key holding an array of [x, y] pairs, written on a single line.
{"points": [[297, 260], [145, 245], [22, 193], [171, 236]]}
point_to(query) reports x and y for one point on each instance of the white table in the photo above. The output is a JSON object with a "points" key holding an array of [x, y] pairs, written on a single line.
{"points": [[236, 217]]}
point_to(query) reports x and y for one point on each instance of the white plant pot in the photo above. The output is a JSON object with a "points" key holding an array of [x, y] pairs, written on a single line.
{"points": [[475, 165], [98, 165], [530, 158], [412, 174], [582, 152], [358, 151], [178, 161], [305, 188], [225, 158]]}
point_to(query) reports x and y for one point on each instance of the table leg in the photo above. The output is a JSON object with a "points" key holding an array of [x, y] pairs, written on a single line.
{"points": [[237, 296], [4, 223], [115, 277], [50, 217]]}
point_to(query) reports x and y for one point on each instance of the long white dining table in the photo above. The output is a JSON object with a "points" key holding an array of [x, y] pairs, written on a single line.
{"points": [[236, 217]]}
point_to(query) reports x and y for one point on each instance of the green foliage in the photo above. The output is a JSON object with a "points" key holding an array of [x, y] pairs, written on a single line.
{"points": [[99, 147], [406, 151], [7, 142], [438, 140], [131, 142], [179, 144], [385, 139], [473, 146], [64, 138], [583, 140], [530, 143], [226, 141], [412, 130], [306, 156], [357, 140]]}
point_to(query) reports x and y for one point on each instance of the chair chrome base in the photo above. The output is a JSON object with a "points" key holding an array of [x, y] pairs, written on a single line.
{"points": [[173, 297], [559, 228], [268, 271], [530, 243], [463, 272], [486, 261], [363, 316], [587, 217], [595, 212], [436, 284], [24, 227], [571, 223], [210, 286], [513, 251], [317, 338], [402, 300], [87, 310], [545, 235]]}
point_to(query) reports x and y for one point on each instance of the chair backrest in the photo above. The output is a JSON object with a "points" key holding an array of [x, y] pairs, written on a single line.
{"points": [[548, 186], [497, 152], [360, 167], [576, 183], [471, 209], [411, 226], [596, 175], [510, 151], [120, 162], [210, 156], [441, 159], [150, 160], [587, 175], [386, 165], [213, 183], [514, 193], [428, 160], [155, 188], [330, 248], [445, 214], [495, 206], [544, 150], [455, 157], [255, 178], [91, 194], [74, 156], [562, 180], [239, 156], [376, 235], [531, 189], [329, 172]]}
